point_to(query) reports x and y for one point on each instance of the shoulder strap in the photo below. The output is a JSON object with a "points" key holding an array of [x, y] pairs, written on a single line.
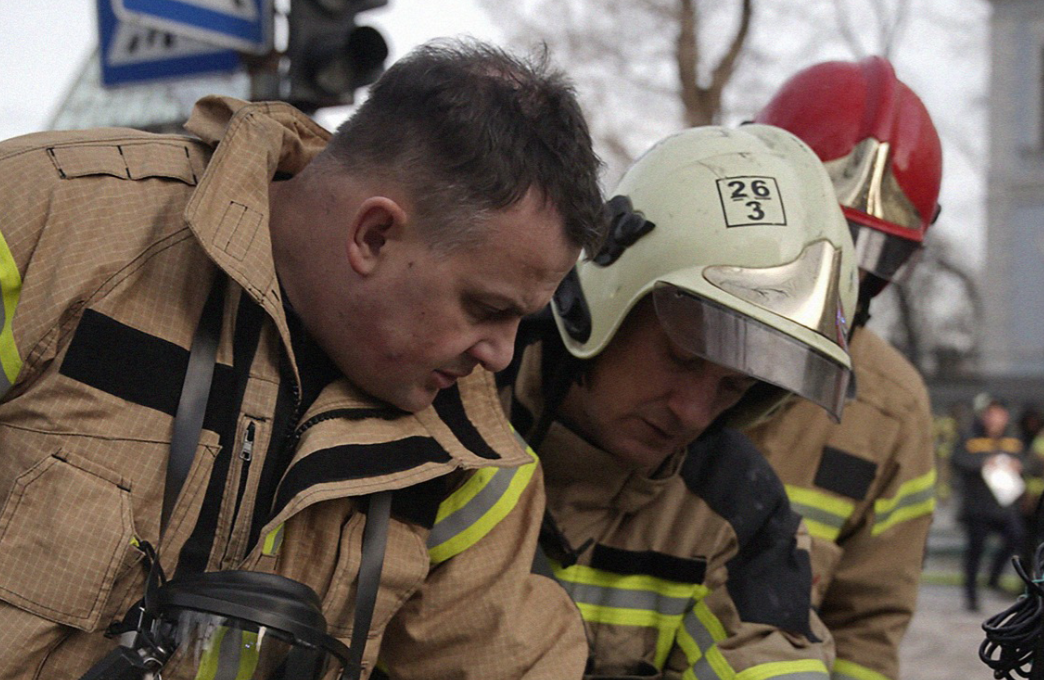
{"points": [[375, 539], [188, 420]]}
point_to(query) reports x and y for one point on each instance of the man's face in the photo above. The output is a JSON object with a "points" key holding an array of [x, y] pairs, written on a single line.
{"points": [[431, 317], [995, 420], [644, 397]]}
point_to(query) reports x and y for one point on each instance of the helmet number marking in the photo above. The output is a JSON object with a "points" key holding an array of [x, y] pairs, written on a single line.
{"points": [[748, 201]]}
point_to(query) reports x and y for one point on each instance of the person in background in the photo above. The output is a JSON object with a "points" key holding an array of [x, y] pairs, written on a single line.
{"points": [[987, 466], [865, 486]]}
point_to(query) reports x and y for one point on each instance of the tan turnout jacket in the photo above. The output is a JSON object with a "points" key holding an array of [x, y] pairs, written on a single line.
{"points": [[699, 571], [866, 490], [110, 242]]}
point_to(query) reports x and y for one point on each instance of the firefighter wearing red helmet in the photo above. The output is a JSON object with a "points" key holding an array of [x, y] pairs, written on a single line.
{"points": [[865, 485]]}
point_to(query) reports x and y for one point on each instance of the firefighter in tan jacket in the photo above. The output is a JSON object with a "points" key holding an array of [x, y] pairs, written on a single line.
{"points": [[725, 286], [865, 486], [347, 325]]}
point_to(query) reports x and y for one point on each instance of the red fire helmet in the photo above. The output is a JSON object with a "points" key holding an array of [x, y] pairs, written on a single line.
{"points": [[880, 147]]}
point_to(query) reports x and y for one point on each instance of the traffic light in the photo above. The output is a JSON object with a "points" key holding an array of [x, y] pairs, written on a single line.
{"points": [[330, 55]]}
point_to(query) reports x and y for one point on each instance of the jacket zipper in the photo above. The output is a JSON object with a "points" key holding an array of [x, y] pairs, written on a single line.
{"points": [[246, 454]]}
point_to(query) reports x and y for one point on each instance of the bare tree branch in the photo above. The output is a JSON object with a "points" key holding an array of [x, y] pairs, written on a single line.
{"points": [[722, 74], [702, 105], [687, 56]]}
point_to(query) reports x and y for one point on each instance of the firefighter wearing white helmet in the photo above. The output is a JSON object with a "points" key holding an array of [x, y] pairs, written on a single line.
{"points": [[726, 284]]}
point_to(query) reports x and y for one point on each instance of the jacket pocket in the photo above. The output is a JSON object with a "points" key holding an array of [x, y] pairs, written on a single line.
{"points": [[65, 530]]}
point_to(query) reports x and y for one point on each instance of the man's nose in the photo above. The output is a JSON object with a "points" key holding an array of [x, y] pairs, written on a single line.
{"points": [[495, 349], [692, 401]]}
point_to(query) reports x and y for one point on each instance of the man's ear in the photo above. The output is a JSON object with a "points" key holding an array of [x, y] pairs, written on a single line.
{"points": [[379, 221]]}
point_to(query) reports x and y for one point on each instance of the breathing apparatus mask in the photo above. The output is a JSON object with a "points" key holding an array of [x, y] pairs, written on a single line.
{"points": [[227, 625]]}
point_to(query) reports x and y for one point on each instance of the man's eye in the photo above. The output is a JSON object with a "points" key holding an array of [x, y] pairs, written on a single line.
{"points": [[486, 312]]}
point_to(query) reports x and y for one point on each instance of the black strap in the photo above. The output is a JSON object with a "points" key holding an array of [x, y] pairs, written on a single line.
{"points": [[375, 539], [188, 420], [188, 424]]}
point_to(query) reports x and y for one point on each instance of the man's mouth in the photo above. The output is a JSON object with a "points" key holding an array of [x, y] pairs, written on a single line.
{"points": [[445, 379]]}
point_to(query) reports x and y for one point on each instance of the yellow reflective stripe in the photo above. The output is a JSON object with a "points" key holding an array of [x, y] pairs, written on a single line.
{"points": [[467, 491], [908, 488], [476, 530], [631, 600], [10, 290], [471, 488], [719, 664], [803, 669], [906, 514], [1035, 485], [698, 638], [915, 498], [825, 502], [580, 573], [619, 616], [824, 514], [709, 621], [849, 670], [819, 530], [273, 541]]}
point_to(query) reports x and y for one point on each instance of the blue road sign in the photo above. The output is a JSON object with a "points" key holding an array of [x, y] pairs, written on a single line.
{"points": [[243, 25], [135, 54]]}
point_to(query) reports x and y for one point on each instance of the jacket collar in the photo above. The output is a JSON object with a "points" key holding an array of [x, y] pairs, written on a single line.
{"points": [[350, 444], [228, 212]]}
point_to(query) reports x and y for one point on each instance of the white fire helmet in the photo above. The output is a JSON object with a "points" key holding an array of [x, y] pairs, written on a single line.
{"points": [[738, 236]]}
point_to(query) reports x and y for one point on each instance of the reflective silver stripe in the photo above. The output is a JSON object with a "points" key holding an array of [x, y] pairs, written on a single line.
{"points": [[817, 515], [703, 670], [474, 510], [699, 633], [646, 600]]}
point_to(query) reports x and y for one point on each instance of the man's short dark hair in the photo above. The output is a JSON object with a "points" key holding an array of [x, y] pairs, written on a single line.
{"points": [[469, 129]]}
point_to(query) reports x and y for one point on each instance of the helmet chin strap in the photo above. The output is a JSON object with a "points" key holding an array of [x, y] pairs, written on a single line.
{"points": [[862, 313], [560, 371]]}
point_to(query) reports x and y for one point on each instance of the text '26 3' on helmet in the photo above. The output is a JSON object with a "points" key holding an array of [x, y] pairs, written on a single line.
{"points": [[738, 237], [878, 143]]}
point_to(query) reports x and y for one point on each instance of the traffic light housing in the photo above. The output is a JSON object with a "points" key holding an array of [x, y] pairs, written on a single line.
{"points": [[331, 56]]}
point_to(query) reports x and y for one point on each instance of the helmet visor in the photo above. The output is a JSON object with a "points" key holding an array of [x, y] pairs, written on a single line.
{"points": [[887, 256], [215, 647], [728, 338]]}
